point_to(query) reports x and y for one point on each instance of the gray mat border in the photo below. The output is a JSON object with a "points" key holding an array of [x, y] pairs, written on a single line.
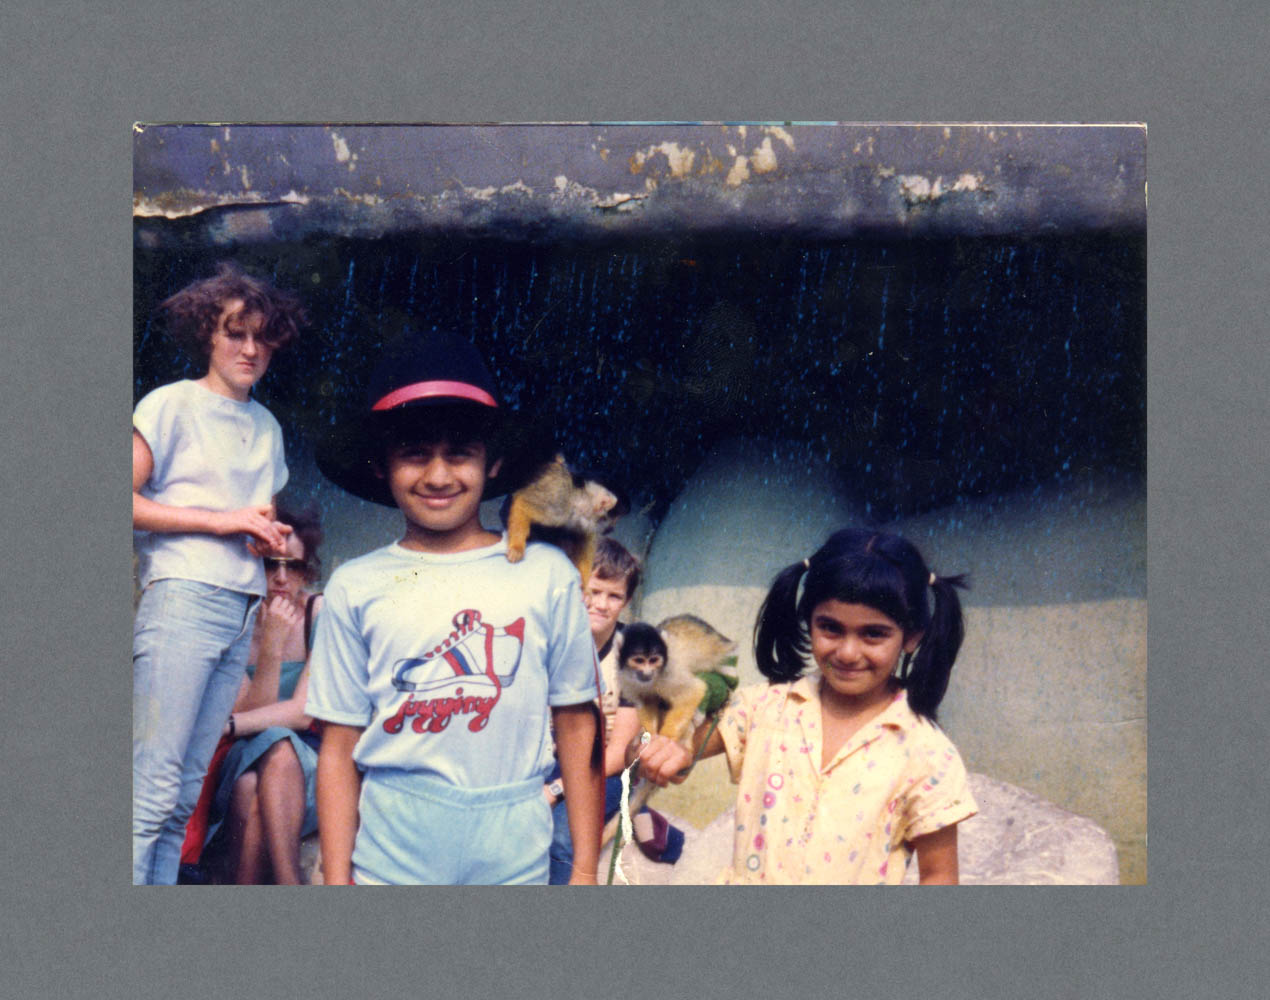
{"points": [[78, 77]]}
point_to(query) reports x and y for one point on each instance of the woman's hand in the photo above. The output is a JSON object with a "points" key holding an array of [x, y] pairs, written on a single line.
{"points": [[149, 515], [259, 523], [278, 618], [662, 761], [260, 550]]}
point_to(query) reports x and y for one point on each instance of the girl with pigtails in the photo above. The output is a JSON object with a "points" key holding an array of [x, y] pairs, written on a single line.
{"points": [[843, 774]]}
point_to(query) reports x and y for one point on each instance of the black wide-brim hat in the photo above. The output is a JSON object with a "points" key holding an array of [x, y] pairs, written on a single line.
{"points": [[424, 387]]}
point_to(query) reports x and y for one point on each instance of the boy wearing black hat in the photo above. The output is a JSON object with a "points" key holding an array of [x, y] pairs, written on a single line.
{"points": [[438, 665]]}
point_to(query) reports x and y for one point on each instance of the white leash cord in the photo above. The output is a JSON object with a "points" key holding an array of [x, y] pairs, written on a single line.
{"points": [[626, 831]]}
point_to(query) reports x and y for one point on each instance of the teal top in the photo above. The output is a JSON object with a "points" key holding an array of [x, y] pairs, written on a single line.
{"points": [[288, 677]]}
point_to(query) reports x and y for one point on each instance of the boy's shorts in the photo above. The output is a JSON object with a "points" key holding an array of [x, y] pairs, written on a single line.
{"points": [[415, 830]]}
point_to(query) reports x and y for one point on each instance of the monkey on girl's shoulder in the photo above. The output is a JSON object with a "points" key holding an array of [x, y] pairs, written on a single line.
{"points": [[665, 694]]}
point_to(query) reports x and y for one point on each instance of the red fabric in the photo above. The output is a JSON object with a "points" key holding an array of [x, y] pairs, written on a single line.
{"points": [[196, 828]]}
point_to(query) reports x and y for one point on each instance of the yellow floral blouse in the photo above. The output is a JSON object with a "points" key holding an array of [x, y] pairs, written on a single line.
{"points": [[898, 778]]}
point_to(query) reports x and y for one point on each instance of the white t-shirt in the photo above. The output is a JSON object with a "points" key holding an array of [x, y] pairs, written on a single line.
{"points": [[212, 452], [452, 661]]}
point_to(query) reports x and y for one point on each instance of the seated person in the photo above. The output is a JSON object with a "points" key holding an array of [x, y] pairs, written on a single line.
{"points": [[614, 576], [265, 797]]}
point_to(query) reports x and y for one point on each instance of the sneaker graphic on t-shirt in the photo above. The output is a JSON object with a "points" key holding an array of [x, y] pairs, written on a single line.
{"points": [[482, 655]]}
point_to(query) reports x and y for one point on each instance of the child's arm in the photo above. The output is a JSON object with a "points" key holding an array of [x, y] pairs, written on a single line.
{"points": [[937, 856], [150, 515], [665, 760], [339, 784], [576, 734], [625, 729]]}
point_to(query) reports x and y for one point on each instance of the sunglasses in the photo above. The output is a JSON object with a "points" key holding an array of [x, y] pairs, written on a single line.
{"points": [[290, 563]]}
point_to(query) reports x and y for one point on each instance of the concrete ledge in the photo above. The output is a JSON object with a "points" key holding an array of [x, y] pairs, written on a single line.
{"points": [[251, 183]]}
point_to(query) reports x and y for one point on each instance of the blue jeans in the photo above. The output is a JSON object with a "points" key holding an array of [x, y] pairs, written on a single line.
{"points": [[189, 651], [562, 840]]}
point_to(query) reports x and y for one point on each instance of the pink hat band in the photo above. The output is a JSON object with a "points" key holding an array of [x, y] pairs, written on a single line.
{"points": [[432, 390]]}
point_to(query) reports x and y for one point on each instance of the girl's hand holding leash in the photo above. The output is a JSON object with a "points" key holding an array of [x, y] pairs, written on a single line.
{"points": [[662, 761]]}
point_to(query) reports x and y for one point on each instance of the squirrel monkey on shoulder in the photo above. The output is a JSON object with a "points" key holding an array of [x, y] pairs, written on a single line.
{"points": [[665, 693], [671, 673], [555, 507]]}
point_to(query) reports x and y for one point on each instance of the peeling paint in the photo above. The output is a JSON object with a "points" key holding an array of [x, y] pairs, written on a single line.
{"points": [[620, 202], [363, 199], [489, 193], [619, 198], [678, 157], [566, 188], [781, 134], [341, 148], [181, 205], [343, 153], [916, 188], [710, 164], [763, 159]]}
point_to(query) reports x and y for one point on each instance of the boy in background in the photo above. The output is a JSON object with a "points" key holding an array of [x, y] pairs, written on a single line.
{"points": [[615, 575]]}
